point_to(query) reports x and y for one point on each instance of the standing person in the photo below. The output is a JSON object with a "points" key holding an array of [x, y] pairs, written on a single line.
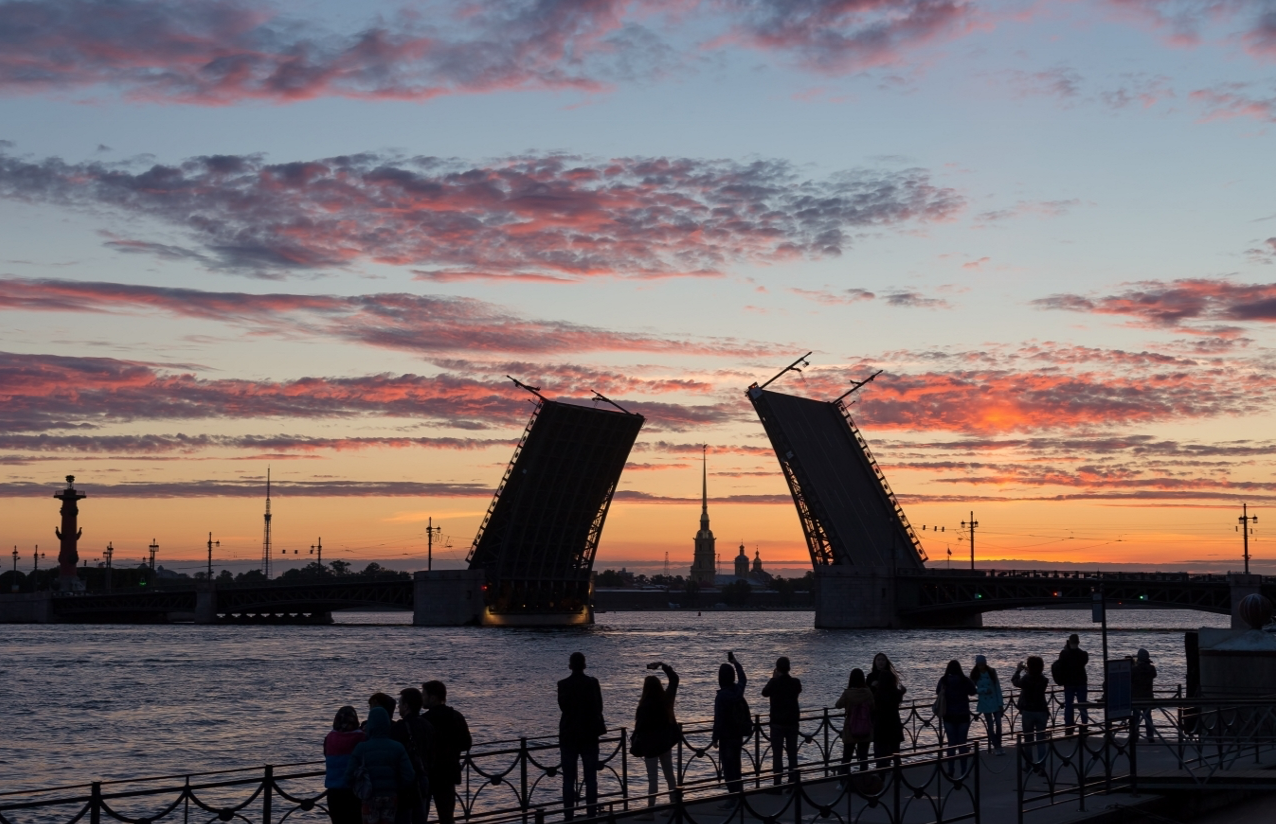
{"points": [[417, 737], [387, 765], [343, 804], [656, 730], [857, 732], [888, 731], [954, 690], [1069, 672], [579, 728], [991, 705], [1142, 674], [731, 723], [1034, 712], [783, 690], [451, 739], [385, 702]]}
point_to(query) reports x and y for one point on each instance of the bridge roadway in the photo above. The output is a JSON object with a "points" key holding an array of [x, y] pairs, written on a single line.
{"points": [[930, 597]]}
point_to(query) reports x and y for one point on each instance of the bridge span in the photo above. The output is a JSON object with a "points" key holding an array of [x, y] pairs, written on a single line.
{"points": [[918, 598]]}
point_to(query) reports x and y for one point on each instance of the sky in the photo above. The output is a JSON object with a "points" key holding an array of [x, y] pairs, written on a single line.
{"points": [[318, 236]]}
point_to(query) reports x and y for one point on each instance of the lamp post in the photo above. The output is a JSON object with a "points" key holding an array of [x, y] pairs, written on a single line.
{"points": [[211, 544], [35, 567], [14, 586], [1245, 520], [108, 553], [317, 550], [430, 531]]}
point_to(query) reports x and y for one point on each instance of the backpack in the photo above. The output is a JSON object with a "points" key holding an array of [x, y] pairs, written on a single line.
{"points": [[859, 721], [741, 718], [1059, 671]]}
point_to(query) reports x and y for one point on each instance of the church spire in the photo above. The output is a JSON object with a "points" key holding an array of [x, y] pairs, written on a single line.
{"points": [[704, 487]]}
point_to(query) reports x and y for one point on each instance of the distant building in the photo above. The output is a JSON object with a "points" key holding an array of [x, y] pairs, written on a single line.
{"points": [[704, 563], [742, 565], [758, 575]]}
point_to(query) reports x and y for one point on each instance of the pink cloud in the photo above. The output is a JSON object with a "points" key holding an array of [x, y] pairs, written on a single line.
{"points": [[424, 324], [46, 393], [540, 217], [840, 36], [215, 52], [1231, 100], [829, 298], [1172, 303]]}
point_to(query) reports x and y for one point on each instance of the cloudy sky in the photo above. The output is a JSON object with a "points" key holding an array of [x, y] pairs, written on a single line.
{"points": [[318, 235]]}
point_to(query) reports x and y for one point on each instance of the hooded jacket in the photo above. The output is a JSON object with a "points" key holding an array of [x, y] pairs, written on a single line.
{"points": [[1142, 674], [384, 758], [989, 689]]}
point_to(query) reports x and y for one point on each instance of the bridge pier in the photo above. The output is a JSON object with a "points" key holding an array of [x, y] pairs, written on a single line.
{"points": [[1242, 585], [871, 598], [26, 608], [205, 602], [855, 598], [448, 597]]}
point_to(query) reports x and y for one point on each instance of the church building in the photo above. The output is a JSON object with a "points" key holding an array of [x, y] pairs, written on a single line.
{"points": [[704, 564]]}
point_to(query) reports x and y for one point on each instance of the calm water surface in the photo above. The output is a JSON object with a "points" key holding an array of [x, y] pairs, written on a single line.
{"points": [[102, 702]]}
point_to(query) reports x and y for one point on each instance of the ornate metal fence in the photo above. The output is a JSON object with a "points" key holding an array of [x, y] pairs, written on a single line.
{"points": [[501, 780], [1195, 744]]}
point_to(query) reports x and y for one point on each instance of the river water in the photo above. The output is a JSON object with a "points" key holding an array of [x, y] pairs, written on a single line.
{"points": [[102, 702]]}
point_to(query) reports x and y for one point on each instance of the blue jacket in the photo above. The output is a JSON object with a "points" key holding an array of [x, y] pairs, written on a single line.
{"points": [[384, 758], [989, 688], [337, 748]]}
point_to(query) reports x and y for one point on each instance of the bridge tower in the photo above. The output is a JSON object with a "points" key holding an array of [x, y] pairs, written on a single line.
{"points": [[535, 547], [265, 541], [859, 538], [69, 535]]}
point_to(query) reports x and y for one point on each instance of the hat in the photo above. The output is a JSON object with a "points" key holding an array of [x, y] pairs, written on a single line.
{"points": [[980, 660]]}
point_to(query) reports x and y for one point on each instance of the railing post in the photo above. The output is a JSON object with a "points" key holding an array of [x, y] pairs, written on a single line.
{"points": [[978, 804], [757, 751], [624, 769], [524, 796], [95, 803], [1021, 752], [895, 779], [1081, 763], [1134, 764], [797, 801], [267, 790], [828, 752]]}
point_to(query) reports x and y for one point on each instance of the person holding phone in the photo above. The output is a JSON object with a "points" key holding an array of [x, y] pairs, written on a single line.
{"points": [[656, 730]]}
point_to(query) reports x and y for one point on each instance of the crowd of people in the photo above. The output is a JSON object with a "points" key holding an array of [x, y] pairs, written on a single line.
{"points": [[386, 771]]}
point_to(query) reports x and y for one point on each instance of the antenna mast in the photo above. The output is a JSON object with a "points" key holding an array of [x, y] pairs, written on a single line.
{"points": [[792, 367], [265, 542]]}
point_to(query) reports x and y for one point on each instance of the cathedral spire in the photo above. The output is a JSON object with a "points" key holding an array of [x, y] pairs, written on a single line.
{"points": [[704, 487]]}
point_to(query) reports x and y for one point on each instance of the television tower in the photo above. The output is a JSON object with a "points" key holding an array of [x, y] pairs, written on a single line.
{"points": [[265, 541]]}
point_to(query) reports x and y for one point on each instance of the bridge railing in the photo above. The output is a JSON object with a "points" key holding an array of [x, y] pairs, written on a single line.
{"points": [[1072, 575]]}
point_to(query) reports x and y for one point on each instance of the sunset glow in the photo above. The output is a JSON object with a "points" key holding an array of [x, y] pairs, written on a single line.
{"points": [[319, 237]]}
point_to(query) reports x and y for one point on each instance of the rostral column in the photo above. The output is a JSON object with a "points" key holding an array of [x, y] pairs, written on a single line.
{"points": [[69, 534]]}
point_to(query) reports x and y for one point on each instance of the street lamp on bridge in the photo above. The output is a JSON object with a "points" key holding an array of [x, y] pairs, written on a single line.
{"points": [[1244, 527]]}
